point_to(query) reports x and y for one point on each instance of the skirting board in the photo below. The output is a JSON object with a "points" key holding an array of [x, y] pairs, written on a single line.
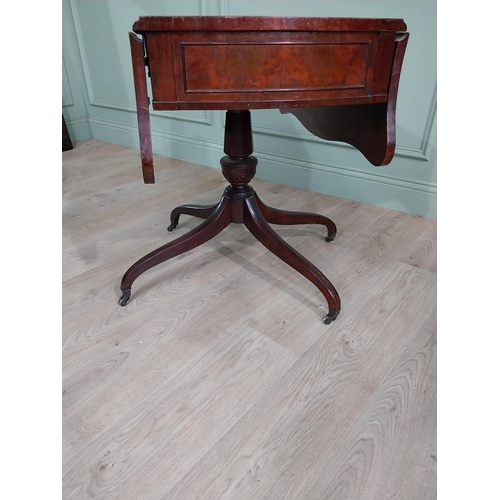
{"points": [[79, 128], [394, 194]]}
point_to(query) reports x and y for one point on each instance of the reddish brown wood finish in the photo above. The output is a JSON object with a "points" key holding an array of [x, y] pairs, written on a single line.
{"points": [[265, 23], [240, 204], [267, 69], [371, 128], [338, 76], [142, 99]]}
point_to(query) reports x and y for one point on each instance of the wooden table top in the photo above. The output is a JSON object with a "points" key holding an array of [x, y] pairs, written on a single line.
{"points": [[339, 76], [265, 23]]}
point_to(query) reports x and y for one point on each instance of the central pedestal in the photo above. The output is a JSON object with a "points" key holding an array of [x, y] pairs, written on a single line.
{"points": [[240, 204]]}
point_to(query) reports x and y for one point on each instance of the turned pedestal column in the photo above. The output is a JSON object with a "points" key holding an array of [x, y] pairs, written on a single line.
{"points": [[240, 204]]}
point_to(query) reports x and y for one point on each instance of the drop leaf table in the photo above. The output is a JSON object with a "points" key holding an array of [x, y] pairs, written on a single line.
{"points": [[338, 76]]}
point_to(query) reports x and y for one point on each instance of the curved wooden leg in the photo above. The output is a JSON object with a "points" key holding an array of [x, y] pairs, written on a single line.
{"points": [[258, 226], [200, 211], [284, 217], [215, 223]]}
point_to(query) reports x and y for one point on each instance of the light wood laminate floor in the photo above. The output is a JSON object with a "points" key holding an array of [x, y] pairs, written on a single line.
{"points": [[219, 380]]}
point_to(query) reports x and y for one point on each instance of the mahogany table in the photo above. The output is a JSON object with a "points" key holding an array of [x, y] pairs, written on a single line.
{"points": [[338, 76]]}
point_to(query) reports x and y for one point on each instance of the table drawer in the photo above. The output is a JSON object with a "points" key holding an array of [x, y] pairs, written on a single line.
{"points": [[238, 70]]}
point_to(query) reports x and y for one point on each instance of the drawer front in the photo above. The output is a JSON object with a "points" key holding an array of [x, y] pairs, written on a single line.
{"points": [[265, 69]]}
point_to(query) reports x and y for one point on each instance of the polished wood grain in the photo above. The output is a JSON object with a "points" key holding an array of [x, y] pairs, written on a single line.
{"points": [[265, 23], [244, 62], [216, 382], [344, 72], [240, 204], [371, 128], [142, 101]]}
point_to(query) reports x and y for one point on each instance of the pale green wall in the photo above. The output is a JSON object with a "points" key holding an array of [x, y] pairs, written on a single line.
{"points": [[98, 101]]}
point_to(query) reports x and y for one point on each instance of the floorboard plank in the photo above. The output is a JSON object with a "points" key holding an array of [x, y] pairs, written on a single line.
{"points": [[280, 446], [390, 452], [178, 423], [219, 379]]}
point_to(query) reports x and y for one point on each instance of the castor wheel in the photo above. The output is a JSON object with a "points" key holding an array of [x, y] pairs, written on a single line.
{"points": [[330, 237], [124, 298], [332, 314], [174, 221]]}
